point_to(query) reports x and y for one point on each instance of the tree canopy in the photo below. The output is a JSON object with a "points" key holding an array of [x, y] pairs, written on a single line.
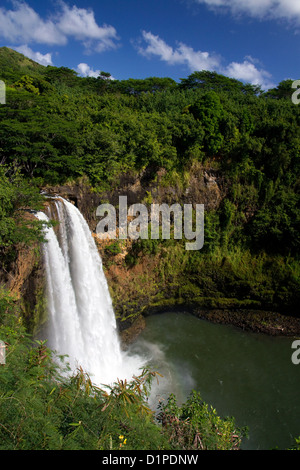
{"points": [[58, 128]]}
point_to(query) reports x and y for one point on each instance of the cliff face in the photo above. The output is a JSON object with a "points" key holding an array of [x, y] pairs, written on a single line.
{"points": [[26, 282], [24, 278], [136, 288], [200, 186], [156, 281]]}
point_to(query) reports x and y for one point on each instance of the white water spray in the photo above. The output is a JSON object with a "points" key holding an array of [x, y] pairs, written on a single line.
{"points": [[82, 322]]}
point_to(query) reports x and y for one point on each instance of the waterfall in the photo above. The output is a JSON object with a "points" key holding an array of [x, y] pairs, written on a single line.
{"points": [[82, 322]]}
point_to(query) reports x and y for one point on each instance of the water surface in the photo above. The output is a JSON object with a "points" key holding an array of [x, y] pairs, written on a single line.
{"points": [[248, 376]]}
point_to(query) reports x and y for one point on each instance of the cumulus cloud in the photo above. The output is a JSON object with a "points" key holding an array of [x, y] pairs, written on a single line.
{"points": [[80, 23], [23, 25], [86, 71], [262, 9], [43, 59], [183, 54], [247, 71]]}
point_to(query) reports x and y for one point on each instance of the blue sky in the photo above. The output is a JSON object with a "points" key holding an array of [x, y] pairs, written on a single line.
{"points": [[256, 41]]}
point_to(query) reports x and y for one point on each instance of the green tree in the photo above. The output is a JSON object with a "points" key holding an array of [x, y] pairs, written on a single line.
{"points": [[213, 81], [209, 111], [17, 225], [196, 426]]}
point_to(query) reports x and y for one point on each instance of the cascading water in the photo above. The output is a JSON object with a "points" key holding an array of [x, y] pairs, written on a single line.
{"points": [[82, 322]]}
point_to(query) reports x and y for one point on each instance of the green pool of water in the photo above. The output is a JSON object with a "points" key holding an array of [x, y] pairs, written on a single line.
{"points": [[248, 376]]}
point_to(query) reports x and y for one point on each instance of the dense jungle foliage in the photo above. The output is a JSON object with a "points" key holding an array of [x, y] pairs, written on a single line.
{"points": [[43, 409], [57, 127]]}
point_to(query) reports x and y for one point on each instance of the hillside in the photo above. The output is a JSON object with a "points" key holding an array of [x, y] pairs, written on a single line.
{"points": [[14, 65], [208, 140]]}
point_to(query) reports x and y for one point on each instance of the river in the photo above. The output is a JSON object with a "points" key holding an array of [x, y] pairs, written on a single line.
{"points": [[245, 375]]}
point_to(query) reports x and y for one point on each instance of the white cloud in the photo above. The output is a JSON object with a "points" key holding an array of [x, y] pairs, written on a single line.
{"points": [[23, 25], [262, 9], [185, 55], [86, 71], [197, 60], [43, 59], [246, 71], [80, 23]]}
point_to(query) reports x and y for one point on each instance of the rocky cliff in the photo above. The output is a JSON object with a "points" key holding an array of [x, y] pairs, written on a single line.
{"points": [[152, 278], [201, 185], [26, 282], [151, 281]]}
